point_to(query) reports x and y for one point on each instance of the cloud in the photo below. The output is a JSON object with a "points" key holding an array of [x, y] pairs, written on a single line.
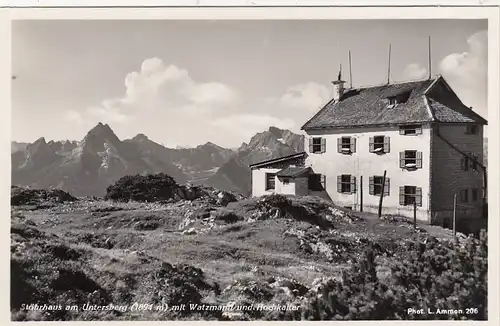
{"points": [[414, 71], [161, 88], [467, 72], [308, 96], [73, 116]]}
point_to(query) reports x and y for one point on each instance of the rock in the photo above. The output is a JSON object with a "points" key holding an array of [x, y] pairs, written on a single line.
{"points": [[190, 231], [224, 198], [226, 216]]}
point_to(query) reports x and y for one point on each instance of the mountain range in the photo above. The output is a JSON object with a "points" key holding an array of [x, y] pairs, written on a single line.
{"points": [[87, 167]]}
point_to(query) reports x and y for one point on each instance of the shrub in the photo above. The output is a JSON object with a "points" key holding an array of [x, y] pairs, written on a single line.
{"points": [[429, 275], [151, 187]]}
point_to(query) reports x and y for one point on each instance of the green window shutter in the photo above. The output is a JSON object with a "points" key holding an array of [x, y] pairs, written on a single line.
{"points": [[418, 196], [323, 181], [339, 183], [401, 196], [339, 145], [402, 160], [353, 145], [372, 186], [387, 144], [387, 187], [311, 147], [353, 184], [419, 160], [418, 130], [372, 145], [323, 145]]}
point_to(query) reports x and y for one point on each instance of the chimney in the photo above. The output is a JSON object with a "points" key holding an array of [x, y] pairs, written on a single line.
{"points": [[338, 86]]}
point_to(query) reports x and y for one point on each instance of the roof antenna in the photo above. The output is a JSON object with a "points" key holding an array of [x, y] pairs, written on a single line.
{"points": [[430, 62], [389, 66], [350, 70]]}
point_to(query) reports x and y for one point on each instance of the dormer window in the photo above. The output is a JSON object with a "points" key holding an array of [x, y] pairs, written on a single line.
{"points": [[471, 129], [410, 130], [392, 102]]}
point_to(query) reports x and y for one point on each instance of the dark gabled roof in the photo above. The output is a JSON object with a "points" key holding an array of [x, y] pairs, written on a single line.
{"points": [[278, 159], [293, 171], [369, 107]]}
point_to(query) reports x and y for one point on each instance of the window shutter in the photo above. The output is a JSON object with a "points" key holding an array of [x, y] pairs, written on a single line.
{"points": [[372, 146], [401, 131], [401, 195], [387, 144], [323, 145], [311, 147], [353, 184], [339, 145], [418, 130], [418, 196], [419, 160], [462, 164], [402, 160], [372, 185], [339, 183], [387, 187], [323, 181], [353, 145]]}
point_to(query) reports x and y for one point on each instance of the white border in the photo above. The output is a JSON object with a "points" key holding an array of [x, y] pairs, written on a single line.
{"points": [[492, 14]]}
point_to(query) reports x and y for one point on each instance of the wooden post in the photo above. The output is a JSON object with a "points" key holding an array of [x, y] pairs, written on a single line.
{"points": [[454, 214], [415, 214], [382, 195], [361, 193]]}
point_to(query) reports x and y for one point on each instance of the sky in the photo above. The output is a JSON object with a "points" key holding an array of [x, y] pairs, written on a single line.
{"points": [[185, 83]]}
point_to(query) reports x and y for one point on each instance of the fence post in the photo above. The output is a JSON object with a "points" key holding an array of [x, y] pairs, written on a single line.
{"points": [[414, 214], [381, 195], [454, 214]]}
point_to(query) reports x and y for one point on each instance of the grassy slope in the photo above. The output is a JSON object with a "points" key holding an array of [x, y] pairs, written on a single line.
{"points": [[122, 250]]}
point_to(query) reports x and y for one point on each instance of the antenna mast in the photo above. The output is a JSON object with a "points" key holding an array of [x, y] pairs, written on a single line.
{"points": [[389, 66], [430, 61], [350, 70]]}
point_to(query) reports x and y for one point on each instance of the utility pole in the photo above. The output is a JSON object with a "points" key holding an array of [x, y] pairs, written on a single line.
{"points": [[361, 193], [415, 214], [389, 67], [382, 195], [454, 214]]}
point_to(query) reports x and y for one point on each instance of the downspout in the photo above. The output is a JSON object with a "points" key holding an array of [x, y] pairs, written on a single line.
{"points": [[485, 175]]}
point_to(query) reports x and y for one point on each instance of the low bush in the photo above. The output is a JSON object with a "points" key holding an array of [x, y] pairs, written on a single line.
{"points": [[430, 275], [151, 187]]}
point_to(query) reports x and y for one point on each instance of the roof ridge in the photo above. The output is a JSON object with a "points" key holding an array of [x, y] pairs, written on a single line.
{"points": [[395, 83]]}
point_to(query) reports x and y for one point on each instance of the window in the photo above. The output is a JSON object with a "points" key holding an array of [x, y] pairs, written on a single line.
{"points": [[410, 195], [469, 162], [286, 181], [379, 144], [464, 195], [471, 129], [465, 163], [392, 101], [346, 145], [317, 145], [410, 159], [376, 185], [475, 194], [346, 184], [473, 162], [410, 130], [317, 182], [270, 182]]}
